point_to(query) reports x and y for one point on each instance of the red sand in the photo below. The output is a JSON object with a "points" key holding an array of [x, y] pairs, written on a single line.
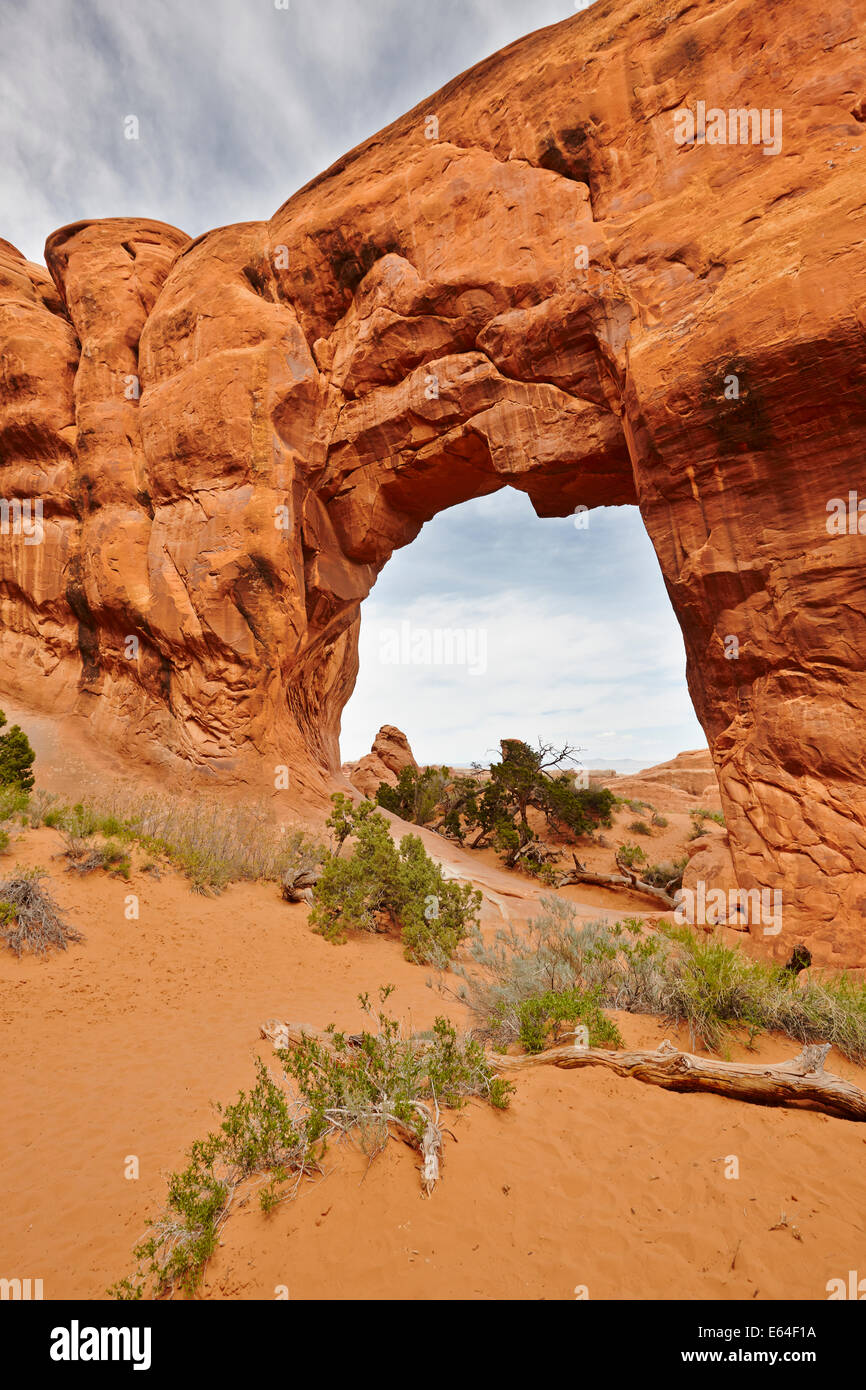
{"points": [[119, 1046]]}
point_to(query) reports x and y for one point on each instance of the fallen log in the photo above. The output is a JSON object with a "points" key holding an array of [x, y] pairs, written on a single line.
{"points": [[297, 885], [801, 1082], [633, 884]]}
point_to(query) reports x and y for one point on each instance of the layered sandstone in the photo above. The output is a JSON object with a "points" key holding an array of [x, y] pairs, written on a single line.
{"points": [[691, 772], [525, 281], [387, 758]]}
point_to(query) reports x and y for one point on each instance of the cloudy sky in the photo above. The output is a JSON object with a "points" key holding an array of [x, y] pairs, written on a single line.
{"points": [[239, 103], [560, 633]]}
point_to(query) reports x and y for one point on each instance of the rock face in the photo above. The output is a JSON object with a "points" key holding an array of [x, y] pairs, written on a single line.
{"points": [[384, 763], [526, 281], [691, 772]]}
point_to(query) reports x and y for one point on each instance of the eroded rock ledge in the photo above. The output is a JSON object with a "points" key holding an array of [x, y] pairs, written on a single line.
{"points": [[420, 325]]}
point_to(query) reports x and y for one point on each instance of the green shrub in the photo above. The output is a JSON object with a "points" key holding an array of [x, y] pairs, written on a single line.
{"points": [[660, 821], [16, 758], [417, 795], [631, 855], [381, 884], [669, 876], [639, 827], [698, 816], [280, 1130], [109, 857], [546, 1013]]}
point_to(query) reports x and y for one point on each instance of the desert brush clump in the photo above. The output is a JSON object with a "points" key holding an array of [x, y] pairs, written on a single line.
{"points": [[30, 919], [668, 876], [542, 1019], [330, 1086], [685, 977], [378, 884], [13, 811], [211, 843], [418, 794]]}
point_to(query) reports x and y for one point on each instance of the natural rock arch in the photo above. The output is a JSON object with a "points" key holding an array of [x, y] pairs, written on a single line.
{"points": [[526, 280]]}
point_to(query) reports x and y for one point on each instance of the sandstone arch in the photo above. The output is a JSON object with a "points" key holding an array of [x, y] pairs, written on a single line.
{"points": [[288, 363]]}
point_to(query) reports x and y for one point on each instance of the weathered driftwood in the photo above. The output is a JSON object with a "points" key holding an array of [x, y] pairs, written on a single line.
{"points": [[633, 884], [800, 1082], [297, 886], [626, 878]]}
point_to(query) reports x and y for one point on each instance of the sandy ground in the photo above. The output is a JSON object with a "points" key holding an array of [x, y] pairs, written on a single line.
{"points": [[118, 1048]]}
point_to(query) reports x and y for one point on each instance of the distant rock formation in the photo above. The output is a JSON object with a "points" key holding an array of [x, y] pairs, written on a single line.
{"points": [[691, 772], [384, 763], [685, 783], [533, 279]]}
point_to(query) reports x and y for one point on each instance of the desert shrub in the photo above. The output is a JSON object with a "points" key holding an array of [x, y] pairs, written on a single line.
{"points": [[682, 976], [632, 856], [13, 808], [14, 803], [16, 758], [669, 876], [278, 1132], [639, 827], [536, 862], [40, 805], [29, 917], [417, 795], [543, 1014], [108, 856], [380, 883], [660, 821], [698, 816]]}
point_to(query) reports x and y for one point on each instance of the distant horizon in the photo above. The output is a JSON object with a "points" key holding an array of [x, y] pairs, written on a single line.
{"points": [[621, 766]]}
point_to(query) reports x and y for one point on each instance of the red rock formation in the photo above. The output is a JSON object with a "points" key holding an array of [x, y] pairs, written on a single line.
{"points": [[524, 281], [384, 763], [691, 772]]}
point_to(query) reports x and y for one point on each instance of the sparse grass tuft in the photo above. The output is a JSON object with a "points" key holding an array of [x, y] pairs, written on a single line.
{"points": [[211, 843]]}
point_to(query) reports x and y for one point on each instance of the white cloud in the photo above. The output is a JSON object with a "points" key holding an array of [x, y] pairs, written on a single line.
{"points": [[579, 637]]}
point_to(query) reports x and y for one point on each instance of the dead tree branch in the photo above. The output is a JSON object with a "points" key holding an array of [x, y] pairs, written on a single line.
{"points": [[800, 1082]]}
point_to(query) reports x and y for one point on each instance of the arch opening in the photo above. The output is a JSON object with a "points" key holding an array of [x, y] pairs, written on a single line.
{"points": [[494, 623]]}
